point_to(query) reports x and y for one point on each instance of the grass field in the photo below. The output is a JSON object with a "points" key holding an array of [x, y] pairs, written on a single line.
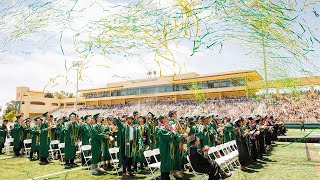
{"points": [[297, 132], [281, 163]]}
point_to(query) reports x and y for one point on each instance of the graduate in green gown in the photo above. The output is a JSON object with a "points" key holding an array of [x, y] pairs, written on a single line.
{"points": [[45, 128], [131, 143], [227, 130], [145, 135], [178, 144], [207, 135], [17, 134], [85, 132], [136, 117], [151, 126], [167, 138], [71, 133], [97, 137], [27, 129], [35, 138], [3, 134], [107, 143]]}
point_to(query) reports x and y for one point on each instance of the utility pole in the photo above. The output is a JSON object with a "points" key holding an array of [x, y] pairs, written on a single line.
{"points": [[77, 64]]}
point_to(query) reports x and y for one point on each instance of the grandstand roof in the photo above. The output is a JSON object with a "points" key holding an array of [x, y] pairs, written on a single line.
{"points": [[252, 75]]}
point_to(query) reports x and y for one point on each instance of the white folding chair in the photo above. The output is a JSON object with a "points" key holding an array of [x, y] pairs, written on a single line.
{"points": [[114, 158], [233, 157], [53, 148], [196, 174], [78, 151], [8, 146], [27, 146], [83, 149], [156, 152], [61, 146], [154, 167]]}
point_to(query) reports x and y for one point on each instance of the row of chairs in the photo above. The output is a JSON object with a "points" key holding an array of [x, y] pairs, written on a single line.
{"points": [[226, 155]]}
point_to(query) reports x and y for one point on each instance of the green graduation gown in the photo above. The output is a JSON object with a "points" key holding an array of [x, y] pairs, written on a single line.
{"points": [[227, 132], [153, 141], [17, 134], [145, 136], [71, 133], [166, 147], [106, 143], [35, 138], [59, 132], [97, 137], [125, 140], [85, 132], [26, 132], [44, 140]]}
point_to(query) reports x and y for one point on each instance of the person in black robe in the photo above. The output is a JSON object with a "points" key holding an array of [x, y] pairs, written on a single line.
{"points": [[244, 156], [201, 163], [4, 133], [253, 144]]}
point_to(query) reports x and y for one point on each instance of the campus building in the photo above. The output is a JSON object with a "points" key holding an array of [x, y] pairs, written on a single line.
{"points": [[176, 87]]}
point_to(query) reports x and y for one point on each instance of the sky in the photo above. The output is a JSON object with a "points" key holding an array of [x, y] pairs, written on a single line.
{"points": [[32, 64]]}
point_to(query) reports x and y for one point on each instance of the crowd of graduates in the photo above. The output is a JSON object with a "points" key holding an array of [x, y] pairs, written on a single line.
{"points": [[137, 133]]}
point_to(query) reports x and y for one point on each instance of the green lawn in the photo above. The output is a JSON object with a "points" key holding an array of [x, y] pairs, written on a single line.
{"points": [[297, 132], [282, 163]]}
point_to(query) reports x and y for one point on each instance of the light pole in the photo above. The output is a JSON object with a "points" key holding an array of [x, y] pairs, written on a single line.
{"points": [[77, 64]]}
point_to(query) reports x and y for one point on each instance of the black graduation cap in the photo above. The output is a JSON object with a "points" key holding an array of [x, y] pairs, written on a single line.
{"points": [[250, 118], [72, 114], [161, 117], [96, 116], [191, 138], [51, 116], [45, 114], [5, 120], [150, 114], [135, 112], [171, 113], [18, 116], [191, 119], [28, 120]]}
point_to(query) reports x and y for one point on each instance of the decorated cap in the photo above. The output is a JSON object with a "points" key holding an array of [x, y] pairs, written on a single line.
{"points": [[192, 138], [28, 120], [86, 117], [45, 114]]}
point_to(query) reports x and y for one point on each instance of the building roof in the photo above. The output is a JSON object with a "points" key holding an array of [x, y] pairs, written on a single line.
{"points": [[177, 78]]}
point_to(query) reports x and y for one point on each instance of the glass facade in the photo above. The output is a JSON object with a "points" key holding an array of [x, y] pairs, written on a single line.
{"points": [[168, 88]]}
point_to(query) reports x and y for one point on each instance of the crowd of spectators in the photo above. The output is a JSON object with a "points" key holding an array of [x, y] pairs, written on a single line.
{"points": [[290, 108]]}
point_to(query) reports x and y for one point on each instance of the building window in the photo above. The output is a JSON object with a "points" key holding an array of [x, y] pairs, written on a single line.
{"points": [[37, 103]]}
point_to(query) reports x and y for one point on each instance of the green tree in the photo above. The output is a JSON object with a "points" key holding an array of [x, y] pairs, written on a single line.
{"points": [[48, 95], [9, 116], [9, 108]]}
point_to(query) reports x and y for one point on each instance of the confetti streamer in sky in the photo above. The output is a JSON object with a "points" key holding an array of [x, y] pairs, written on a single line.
{"points": [[276, 32]]}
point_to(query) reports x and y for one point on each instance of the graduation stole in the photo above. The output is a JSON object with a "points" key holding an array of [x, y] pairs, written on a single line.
{"points": [[74, 132], [20, 132], [171, 145], [130, 152], [106, 129], [37, 128]]}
